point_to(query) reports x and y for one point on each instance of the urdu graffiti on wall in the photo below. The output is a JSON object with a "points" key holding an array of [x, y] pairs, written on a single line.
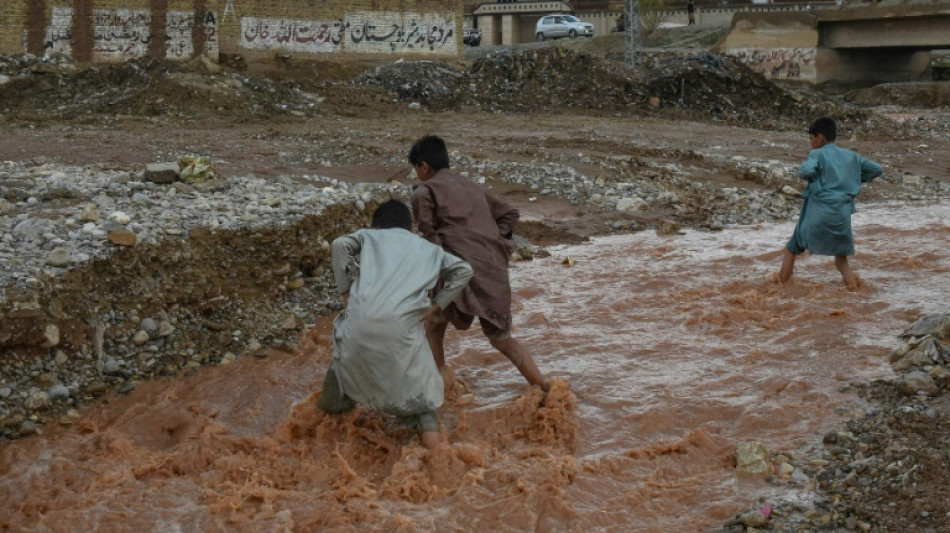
{"points": [[789, 63], [290, 35], [59, 33], [389, 31], [125, 33], [179, 26], [120, 33], [364, 32]]}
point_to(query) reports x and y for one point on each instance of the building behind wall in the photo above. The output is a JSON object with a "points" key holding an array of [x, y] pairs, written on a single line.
{"points": [[118, 30]]}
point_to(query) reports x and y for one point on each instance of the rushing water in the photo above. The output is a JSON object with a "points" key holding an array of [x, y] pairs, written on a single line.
{"points": [[667, 352]]}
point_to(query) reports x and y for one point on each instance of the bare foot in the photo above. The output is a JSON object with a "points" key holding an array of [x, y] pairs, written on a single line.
{"points": [[430, 439], [855, 283]]}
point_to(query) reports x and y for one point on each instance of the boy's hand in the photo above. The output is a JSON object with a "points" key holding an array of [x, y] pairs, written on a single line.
{"points": [[433, 311]]}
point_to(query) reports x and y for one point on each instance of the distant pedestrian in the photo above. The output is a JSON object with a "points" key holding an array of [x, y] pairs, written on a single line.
{"points": [[834, 178], [691, 11]]}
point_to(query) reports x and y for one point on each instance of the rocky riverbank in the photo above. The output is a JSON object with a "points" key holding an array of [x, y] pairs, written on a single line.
{"points": [[886, 470]]}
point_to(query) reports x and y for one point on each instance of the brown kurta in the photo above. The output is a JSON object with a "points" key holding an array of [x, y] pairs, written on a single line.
{"points": [[459, 215]]}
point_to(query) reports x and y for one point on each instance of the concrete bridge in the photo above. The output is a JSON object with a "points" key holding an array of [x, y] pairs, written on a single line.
{"points": [[856, 43]]}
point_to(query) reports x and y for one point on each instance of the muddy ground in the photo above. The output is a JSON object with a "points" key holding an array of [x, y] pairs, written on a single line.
{"points": [[570, 103]]}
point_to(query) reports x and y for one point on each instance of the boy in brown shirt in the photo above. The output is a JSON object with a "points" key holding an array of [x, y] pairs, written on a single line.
{"points": [[459, 215]]}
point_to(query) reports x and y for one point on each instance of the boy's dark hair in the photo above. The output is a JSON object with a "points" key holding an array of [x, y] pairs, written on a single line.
{"points": [[392, 214], [825, 126], [430, 149]]}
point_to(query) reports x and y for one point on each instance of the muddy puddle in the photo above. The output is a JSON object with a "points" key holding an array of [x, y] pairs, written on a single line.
{"points": [[667, 353]]}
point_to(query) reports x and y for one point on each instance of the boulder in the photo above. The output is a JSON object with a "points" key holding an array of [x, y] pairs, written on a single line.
{"points": [[162, 172]]}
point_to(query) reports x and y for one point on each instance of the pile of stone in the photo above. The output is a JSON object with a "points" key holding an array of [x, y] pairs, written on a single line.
{"points": [[435, 84], [886, 471], [550, 78], [923, 360], [641, 187], [54, 216], [728, 90], [57, 87]]}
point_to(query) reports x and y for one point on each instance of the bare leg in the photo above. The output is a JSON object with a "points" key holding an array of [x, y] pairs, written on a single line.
{"points": [[788, 265], [514, 351], [435, 334], [841, 263], [430, 439]]}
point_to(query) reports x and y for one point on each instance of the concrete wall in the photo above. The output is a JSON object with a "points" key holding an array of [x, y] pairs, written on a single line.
{"points": [[867, 45], [785, 47], [931, 31], [874, 65], [117, 30]]}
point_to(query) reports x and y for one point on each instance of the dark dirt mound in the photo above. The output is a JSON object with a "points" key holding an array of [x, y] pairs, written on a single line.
{"points": [[923, 95], [693, 85], [58, 88], [728, 90]]}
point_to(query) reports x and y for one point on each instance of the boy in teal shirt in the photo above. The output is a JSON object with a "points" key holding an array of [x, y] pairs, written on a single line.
{"points": [[834, 178]]}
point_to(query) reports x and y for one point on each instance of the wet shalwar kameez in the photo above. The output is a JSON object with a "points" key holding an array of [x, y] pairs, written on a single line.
{"points": [[460, 216], [381, 358], [834, 179]]}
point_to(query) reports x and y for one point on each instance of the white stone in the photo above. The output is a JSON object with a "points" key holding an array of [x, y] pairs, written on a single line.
{"points": [[632, 204], [140, 338], [50, 336]]}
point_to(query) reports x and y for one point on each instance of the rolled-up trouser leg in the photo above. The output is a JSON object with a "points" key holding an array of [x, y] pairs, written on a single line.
{"points": [[333, 400]]}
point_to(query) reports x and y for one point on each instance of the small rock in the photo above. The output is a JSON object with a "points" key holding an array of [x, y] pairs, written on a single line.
{"points": [[753, 458], [50, 336], [27, 428], [36, 400], [58, 392], [916, 382], [165, 328], [59, 257], [122, 237], [90, 214], [162, 172], [141, 337], [666, 228]]}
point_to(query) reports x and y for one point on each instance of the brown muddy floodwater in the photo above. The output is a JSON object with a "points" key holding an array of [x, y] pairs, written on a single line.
{"points": [[669, 351]]}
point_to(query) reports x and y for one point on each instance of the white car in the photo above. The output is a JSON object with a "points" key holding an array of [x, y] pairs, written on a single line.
{"points": [[554, 26]]}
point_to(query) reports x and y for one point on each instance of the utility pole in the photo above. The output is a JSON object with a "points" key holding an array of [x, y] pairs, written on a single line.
{"points": [[634, 43]]}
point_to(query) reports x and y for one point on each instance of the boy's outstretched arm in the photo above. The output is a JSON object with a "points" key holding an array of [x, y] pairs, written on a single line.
{"points": [[456, 274], [870, 170], [343, 254]]}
